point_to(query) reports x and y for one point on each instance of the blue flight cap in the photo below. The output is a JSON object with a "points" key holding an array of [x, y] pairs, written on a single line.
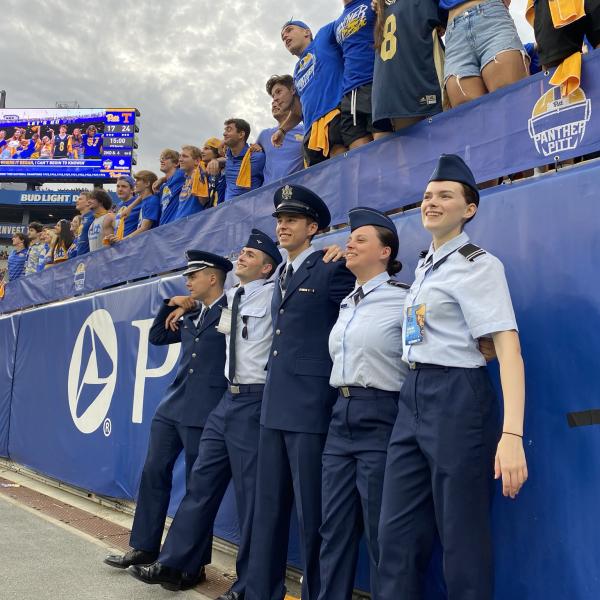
{"points": [[199, 260], [298, 200], [451, 167], [128, 178], [363, 215], [297, 23], [261, 241]]}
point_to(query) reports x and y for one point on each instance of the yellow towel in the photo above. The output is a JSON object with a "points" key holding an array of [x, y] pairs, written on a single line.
{"points": [[199, 182], [563, 12], [1, 290], [319, 133], [120, 228], [244, 178], [568, 74]]}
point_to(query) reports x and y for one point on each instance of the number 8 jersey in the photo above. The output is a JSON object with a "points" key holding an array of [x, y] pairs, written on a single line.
{"points": [[408, 77]]}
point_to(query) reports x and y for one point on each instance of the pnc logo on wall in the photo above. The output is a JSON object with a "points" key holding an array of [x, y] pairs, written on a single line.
{"points": [[93, 371]]}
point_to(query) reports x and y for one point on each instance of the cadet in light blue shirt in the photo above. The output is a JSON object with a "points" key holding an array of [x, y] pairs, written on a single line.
{"points": [[365, 346], [444, 449]]}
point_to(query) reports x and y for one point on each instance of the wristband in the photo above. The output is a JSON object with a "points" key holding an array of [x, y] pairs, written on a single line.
{"points": [[509, 433]]}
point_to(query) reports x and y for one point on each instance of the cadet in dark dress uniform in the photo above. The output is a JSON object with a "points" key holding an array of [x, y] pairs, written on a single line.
{"points": [[444, 449], [297, 401], [180, 418], [229, 444], [366, 348]]}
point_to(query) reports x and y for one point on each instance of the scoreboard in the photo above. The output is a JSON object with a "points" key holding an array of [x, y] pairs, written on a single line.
{"points": [[94, 144]]}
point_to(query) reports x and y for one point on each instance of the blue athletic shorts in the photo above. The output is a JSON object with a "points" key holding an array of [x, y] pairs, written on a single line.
{"points": [[475, 37]]}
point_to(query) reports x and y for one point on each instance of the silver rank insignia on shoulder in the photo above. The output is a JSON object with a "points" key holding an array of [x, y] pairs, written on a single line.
{"points": [[287, 192], [471, 251], [398, 284]]}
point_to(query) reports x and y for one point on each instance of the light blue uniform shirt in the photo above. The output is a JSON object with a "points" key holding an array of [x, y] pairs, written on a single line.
{"points": [[252, 352], [281, 162], [365, 343], [464, 300]]}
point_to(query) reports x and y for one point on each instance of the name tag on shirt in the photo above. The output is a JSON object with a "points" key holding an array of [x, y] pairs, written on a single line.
{"points": [[224, 325], [415, 324]]}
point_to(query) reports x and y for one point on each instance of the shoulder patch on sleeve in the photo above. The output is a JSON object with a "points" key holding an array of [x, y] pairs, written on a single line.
{"points": [[471, 251], [398, 284]]}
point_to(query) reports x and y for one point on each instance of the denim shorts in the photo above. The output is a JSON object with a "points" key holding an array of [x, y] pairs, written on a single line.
{"points": [[475, 37]]}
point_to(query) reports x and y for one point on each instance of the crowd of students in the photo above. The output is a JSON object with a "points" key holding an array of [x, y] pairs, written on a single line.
{"points": [[381, 67]]}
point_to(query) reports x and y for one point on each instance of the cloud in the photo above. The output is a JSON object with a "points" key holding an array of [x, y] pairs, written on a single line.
{"points": [[187, 66]]}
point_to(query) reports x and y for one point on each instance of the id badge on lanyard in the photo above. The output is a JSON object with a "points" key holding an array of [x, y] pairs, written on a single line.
{"points": [[414, 330]]}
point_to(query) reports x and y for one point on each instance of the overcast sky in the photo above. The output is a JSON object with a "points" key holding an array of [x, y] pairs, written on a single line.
{"points": [[186, 65]]}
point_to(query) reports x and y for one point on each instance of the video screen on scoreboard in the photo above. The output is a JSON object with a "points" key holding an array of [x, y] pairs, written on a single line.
{"points": [[66, 144]]}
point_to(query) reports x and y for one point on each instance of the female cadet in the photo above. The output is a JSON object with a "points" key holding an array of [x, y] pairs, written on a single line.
{"points": [[441, 454], [365, 346]]}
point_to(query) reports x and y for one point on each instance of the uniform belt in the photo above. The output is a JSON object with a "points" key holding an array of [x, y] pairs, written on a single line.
{"points": [[361, 392], [250, 388], [413, 366]]}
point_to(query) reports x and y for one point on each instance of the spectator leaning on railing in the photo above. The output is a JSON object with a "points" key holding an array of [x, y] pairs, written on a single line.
{"points": [[48, 235], [319, 85], [36, 247], [102, 226], [216, 182], [287, 157], [128, 209], [18, 257], [87, 216], [354, 32], [409, 62], [243, 169], [169, 187], [62, 243], [149, 215], [483, 49], [193, 197]]}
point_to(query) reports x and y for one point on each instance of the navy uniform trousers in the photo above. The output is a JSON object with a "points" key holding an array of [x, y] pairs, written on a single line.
{"points": [[353, 469], [439, 473], [167, 439], [228, 450]]}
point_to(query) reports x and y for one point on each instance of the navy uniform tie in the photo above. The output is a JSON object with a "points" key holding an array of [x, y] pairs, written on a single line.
{"points": [[235, 309], [203, 312], [358, 295], [285, 281]]}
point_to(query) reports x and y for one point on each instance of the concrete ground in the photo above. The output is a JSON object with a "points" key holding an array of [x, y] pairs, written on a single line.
{"points": [[41, 559]]}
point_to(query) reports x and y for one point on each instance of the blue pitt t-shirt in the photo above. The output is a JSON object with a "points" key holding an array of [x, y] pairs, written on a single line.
{"points": [[150, 210], [319, 75], [188, 203], [354, 32], [283, 161], [169, 196], [16, 264], [83, 244], [131, 222], [232, 170]]}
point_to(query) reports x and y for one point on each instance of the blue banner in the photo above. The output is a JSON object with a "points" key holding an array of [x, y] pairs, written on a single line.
{"points": [[7, 230], [9, 327], [514, 129], [85, 390]]}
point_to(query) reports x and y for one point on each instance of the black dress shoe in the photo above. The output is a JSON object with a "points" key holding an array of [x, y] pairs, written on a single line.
{"points": [[231, 595], [189, 582], [133, 557], [155, 573]]}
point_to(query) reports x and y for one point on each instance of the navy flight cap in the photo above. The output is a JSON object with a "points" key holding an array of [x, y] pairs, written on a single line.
{"points": [[363, 215], [298, 200], [199, 260], [451, 167], [261, 241]]}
